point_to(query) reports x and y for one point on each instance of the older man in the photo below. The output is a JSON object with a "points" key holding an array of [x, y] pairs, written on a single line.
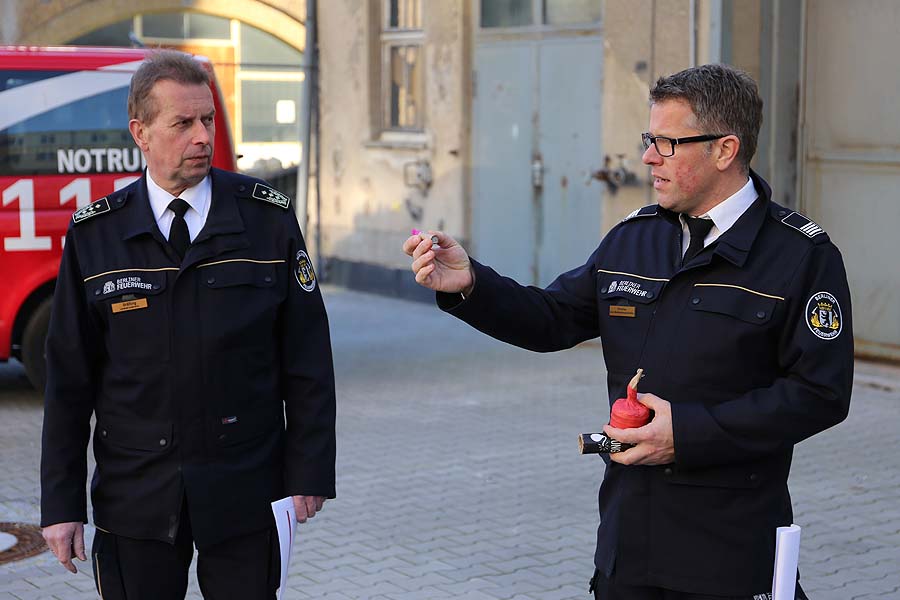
{"points": [[738, 311], [188, 321]]}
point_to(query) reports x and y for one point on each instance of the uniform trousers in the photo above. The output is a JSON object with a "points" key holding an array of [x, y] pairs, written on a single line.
{"points": [[607, 589], [245, 567]]}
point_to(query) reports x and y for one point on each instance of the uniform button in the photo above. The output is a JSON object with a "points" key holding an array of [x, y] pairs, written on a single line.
{"points": [[211, 280], [119, 200], [695, 300], [104, 433], [223, 437], [649, 295], [96, 292], [668, 471], [155, 286], [268, 279], [781, 213], [753, 477], [761, 315], [163, 442], [241, 188]]}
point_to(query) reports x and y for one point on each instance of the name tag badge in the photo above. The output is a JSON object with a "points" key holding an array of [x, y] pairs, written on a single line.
{"points": [[621, 311], [129, 305]]}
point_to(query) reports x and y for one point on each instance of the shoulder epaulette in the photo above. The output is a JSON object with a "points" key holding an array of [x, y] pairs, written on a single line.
{"points": [[269, 194], [104, 205], [98, 207], [804, 225], [646, 211]]}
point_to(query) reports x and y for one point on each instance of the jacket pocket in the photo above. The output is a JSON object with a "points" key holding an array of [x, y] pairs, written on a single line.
{"points": [[134, 307], [734, 301], [626, 305], [243, 297], [135, 434]]}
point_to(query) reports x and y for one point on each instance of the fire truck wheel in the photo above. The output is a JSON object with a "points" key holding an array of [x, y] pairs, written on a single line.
{"points": [[33, 355]]}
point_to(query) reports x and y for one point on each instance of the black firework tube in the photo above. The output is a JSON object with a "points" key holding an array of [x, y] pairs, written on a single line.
{"points": [[600, 443]]}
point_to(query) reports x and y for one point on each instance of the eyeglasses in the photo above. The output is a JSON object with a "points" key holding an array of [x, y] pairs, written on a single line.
{"points": [[665, 146]]}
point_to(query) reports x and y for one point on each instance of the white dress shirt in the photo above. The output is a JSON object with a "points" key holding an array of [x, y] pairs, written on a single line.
{"points": [[198, 197], [723, 215]]}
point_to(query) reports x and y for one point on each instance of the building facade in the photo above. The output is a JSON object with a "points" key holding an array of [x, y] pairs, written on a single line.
{"points": [[515, 126]]}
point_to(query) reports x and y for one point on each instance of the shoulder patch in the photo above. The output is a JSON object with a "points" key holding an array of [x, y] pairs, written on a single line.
{"points": [[93, 209], [804, 225], [271, 195], [646, 211]]}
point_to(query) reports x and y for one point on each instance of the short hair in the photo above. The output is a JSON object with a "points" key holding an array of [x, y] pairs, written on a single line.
{"points": [[158, 66], [724, 100]]}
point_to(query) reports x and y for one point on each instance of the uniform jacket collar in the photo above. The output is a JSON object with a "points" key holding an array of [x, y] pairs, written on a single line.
{"points": [[734, 245], [224, 229]]}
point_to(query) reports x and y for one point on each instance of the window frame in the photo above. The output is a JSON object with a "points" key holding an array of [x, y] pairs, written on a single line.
{"points": [[389, 39]]}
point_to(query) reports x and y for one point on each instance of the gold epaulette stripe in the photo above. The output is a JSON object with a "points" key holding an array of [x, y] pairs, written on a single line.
{"points": [[130, 271], [630, 275], [249, 260], [738, 287]]}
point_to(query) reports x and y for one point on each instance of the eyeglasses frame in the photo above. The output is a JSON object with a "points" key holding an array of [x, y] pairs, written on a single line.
{"points": [[645, 137]]}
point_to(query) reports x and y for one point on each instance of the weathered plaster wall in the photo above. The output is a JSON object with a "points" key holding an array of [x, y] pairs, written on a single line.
{"points": [[366, 208]]}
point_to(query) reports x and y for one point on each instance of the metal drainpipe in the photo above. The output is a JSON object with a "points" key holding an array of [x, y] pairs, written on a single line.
{"points": [[692, 33], [306, 93]]}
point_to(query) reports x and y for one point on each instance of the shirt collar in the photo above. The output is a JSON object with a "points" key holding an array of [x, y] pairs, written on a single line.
{"points": [[727, 212], [198, 197]]}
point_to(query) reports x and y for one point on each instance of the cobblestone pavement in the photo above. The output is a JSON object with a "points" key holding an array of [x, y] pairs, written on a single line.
{"points": [[459, 475]]}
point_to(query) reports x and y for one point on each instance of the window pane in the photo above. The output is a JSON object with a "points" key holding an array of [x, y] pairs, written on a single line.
{"points": [[98, 122], [166, 25], [111, 35], [267, 110], [262, 51], [405, 84], [506, 13], [405, 14], [208, 27], [571, 12]]}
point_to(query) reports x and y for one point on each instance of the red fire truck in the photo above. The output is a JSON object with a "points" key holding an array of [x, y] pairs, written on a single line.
{"points": [[64, 142]]}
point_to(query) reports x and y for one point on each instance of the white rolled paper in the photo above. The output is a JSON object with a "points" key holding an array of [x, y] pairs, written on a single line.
{"points": [[787, 555]]}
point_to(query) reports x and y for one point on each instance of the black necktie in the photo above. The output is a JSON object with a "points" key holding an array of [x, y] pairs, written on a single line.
{"points": [[698, 228], [179, 236]]}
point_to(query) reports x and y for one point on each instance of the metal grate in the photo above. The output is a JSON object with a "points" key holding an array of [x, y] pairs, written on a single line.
{"points": [[29, 542]]}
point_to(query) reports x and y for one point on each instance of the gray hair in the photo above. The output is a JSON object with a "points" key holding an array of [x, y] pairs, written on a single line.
{"points": [[724, 100], [158, 66]]}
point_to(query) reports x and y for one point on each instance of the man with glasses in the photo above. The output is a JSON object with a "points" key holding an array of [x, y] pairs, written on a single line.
{"points": [[738, 311]]}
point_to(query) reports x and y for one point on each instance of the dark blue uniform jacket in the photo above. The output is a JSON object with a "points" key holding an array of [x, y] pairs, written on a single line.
{"points": [[189, 368], [751, 343]]}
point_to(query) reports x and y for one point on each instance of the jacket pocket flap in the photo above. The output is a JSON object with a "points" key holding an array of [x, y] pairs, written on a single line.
{"points": [[730, 476], [629, 287], [138, 435], [138, 283], [741, 303], [239, 272]]}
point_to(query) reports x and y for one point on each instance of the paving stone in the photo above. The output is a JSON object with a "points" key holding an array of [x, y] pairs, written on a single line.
{"points": [[459, 477]]}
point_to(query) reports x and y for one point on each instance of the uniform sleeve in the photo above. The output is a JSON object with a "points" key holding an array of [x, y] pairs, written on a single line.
{"points": [[543, 320], [307, 374], [810, 394], [73, 346]]}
